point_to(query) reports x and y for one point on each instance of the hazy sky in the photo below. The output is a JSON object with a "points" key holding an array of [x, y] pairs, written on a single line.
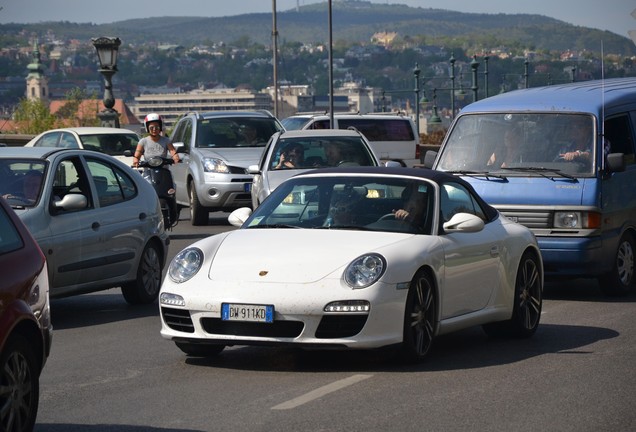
{"points": [[612, 15]]}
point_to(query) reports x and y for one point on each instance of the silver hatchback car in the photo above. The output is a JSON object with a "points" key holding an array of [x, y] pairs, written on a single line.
{"points": [[97, 220]]}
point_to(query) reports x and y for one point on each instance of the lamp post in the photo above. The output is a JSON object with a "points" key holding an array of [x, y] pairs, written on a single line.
{"points": [[416, 73], [107, 50]]}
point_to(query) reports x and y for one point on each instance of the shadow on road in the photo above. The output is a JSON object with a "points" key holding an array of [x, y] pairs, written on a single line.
{"points": [[58, 427], [97, 308], [467, 349]]}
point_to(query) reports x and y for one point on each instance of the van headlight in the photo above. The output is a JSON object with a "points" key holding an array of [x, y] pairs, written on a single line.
{"points": [[577, 220]]}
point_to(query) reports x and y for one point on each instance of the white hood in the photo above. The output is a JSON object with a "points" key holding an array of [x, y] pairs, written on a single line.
{"points": [[292, 255]]}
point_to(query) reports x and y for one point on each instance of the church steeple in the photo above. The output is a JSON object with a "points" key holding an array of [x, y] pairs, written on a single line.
{"points": [[37, 85]]}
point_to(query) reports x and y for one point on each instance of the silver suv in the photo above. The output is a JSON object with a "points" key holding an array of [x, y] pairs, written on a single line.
{"points": [[216, 148]]}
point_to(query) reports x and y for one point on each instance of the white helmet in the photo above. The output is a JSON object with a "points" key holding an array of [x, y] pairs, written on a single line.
{"points": [[153, 117]]}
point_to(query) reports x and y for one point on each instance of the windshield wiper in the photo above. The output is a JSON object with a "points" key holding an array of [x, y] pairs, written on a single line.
{"points": [[274, 226], [541, 171], [351, 227], [486, 174]]}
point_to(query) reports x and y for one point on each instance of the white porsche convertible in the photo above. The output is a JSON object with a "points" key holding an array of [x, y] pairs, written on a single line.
{"points": [[356, 258]]}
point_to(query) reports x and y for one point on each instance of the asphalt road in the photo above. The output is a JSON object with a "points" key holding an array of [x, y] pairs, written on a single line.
{"points": [[110, 370]]}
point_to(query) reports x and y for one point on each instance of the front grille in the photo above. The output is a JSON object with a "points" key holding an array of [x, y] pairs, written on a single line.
{"points": [[530, 218], [177, 319], [340, 326], [287, 329]]}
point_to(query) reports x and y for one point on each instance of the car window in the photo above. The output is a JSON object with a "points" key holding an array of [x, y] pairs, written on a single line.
{"points": [[111, 184], [21, 181], [235, 132], [362, 203], [70, 178], [619, 135], [294, 123], [381, 129], [317, 152], [187, 133], [454, 198], [111, 144], [48, 140], [67, 140], [10, 239]]}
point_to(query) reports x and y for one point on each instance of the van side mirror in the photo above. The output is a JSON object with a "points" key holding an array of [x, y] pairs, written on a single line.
{"points": [[429, 158], [615, 162]]}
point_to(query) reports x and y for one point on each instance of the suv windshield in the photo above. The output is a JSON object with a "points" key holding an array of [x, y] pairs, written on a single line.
{"points": [[524, 144], [235, 132]]}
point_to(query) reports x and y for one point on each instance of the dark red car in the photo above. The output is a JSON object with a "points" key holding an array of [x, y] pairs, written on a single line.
{"points": [[25, 322]]}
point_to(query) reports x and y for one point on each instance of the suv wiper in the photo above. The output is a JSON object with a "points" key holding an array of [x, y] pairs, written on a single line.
{"points": [[541, 171], [486, 174]]}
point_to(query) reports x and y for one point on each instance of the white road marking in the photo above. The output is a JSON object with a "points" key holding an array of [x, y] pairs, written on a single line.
{"points": [[320, 392]]}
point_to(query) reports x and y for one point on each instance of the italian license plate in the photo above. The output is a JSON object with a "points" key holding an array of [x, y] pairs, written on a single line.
{"points": [[247, 312], [247, 187]]}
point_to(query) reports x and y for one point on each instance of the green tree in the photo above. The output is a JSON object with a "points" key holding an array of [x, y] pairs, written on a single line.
{"points": [[33, 116], [76, 110]]}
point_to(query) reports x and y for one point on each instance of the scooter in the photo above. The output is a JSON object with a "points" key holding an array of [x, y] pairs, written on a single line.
{"points": [[156, 172]]}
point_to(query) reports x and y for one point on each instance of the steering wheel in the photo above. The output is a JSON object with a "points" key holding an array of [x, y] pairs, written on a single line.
{"points": [[387, 216]]}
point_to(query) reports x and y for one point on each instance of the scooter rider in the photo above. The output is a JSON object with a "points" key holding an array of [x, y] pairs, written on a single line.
{"points": [[155, 144]]}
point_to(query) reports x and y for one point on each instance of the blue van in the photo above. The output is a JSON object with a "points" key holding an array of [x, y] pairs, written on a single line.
{"points": [[559, 160]]}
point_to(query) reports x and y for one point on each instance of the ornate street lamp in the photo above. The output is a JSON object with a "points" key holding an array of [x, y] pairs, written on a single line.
{"points": [[416, 73], [107, 50]]}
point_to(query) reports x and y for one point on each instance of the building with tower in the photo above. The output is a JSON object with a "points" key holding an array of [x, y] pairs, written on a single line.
{"points": [[37, 85]]}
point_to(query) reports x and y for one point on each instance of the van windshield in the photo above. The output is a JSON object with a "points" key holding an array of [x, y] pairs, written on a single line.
{"points": [[521, 144]]}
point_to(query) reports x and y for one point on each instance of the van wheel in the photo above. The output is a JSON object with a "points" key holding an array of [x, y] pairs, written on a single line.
{"points": [[198, 214], [620, 281]]}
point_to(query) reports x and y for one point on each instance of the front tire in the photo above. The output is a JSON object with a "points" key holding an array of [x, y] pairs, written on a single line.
{"points": [[420, 315], [620, 281], [145, 289], [19, 386], [198, 214], [528, 301]]}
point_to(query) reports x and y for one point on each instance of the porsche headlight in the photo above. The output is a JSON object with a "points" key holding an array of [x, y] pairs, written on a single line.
{"points": [[365, 270], [185, 265], [215, 165]]}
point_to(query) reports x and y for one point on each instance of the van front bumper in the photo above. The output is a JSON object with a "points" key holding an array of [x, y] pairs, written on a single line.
{"points": [[576, 256]]}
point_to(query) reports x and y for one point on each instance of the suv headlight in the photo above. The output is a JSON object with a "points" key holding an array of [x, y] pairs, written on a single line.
{"points": [[215, 165]]}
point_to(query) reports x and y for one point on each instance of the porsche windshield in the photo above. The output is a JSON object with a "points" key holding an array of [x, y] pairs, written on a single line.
{"points": [[362, 203]]}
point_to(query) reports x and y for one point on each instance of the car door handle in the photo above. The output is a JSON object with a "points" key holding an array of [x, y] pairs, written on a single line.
{"points": [[95, 226], [142, 216], [494, 251]]}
